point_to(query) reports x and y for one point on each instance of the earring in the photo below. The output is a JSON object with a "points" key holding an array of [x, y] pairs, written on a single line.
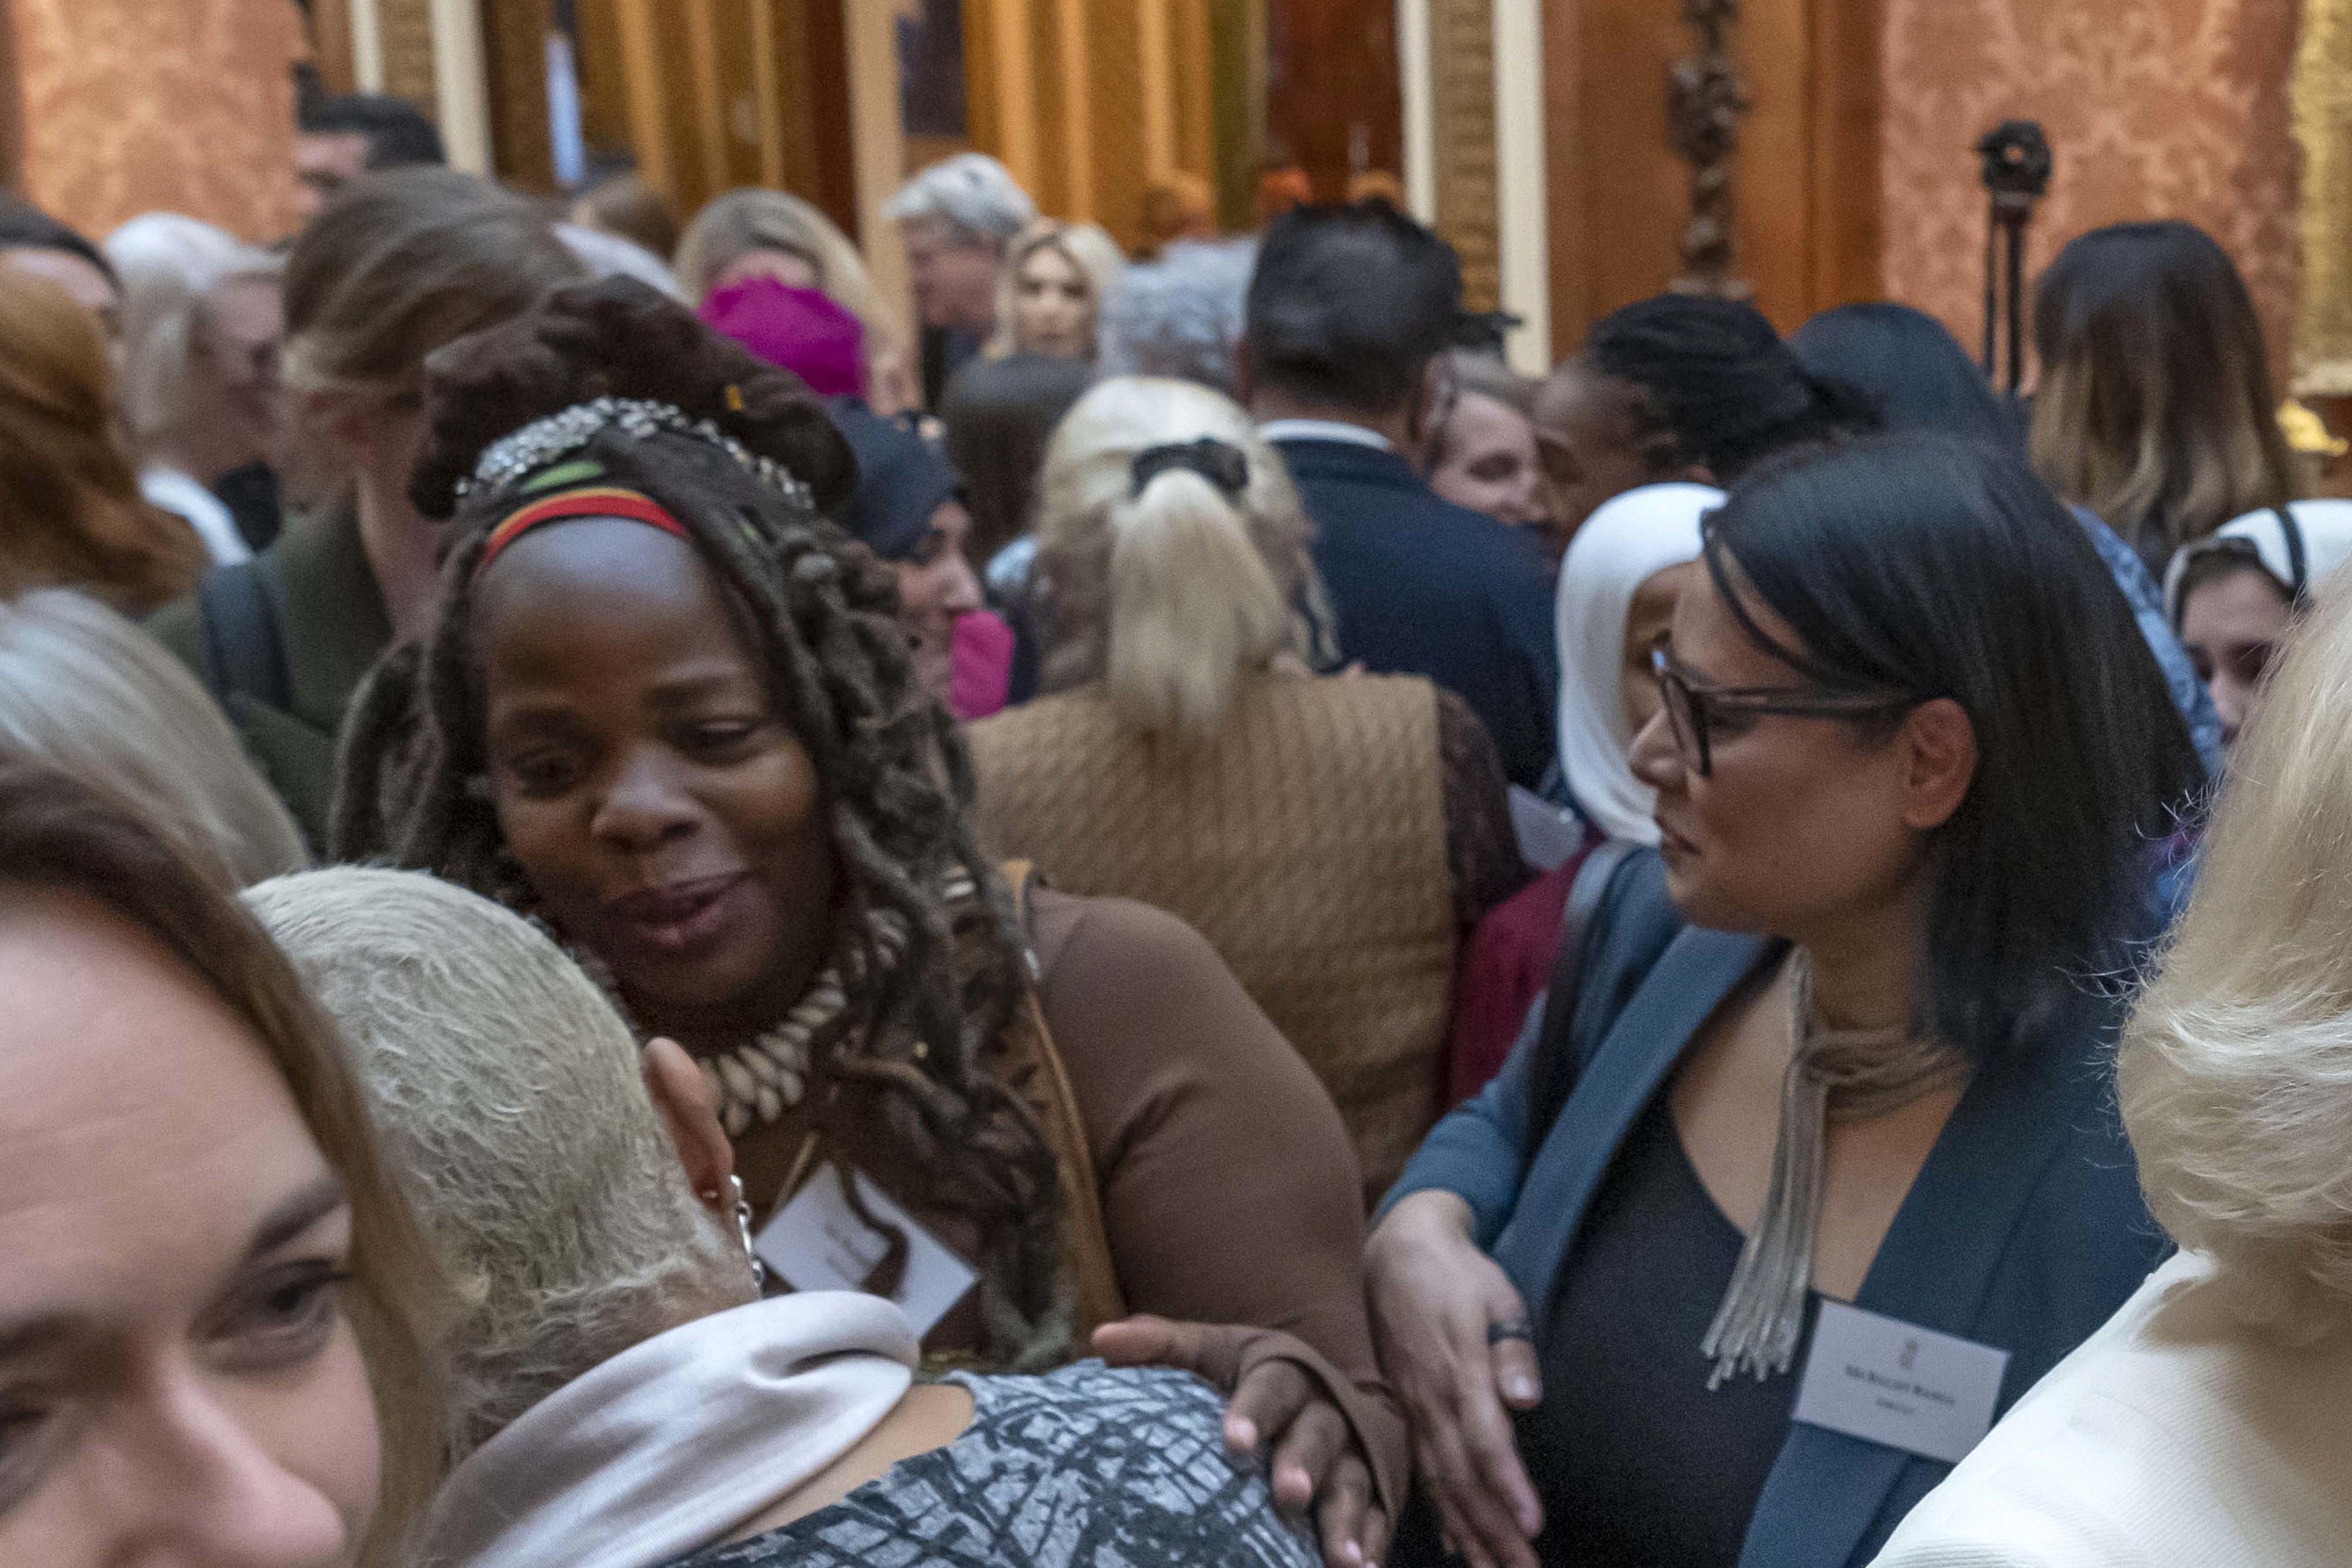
{"points": [[742, 1229]]}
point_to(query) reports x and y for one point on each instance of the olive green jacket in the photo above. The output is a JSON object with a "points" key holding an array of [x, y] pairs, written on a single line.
{"points": [[334, 626]]}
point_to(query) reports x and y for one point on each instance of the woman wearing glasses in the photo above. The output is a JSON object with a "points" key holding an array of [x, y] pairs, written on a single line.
{"points": [[1838, 1043]]}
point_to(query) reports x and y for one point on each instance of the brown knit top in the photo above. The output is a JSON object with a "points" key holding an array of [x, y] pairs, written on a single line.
{"points": [[1309, 838]]}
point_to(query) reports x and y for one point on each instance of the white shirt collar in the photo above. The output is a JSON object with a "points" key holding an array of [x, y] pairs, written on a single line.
{"points": [[1323, 430]]}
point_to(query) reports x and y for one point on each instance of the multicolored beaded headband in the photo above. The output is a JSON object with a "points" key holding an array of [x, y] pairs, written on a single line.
{"points": [[581, 501], [515, 457]]}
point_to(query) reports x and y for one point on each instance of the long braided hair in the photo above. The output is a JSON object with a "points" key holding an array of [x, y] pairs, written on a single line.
{"points": [[927, 1036]]}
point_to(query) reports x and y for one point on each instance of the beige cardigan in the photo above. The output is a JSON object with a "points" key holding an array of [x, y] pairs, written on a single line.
{"points": [[2175, 1437]]}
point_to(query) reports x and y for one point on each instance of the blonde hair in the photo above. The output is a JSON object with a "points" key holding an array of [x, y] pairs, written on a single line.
{"points": [[172, 267], [1094, 253], [741, 222], [1169, 597], [85, 689], [2236, 1068], [511, 1106], [750, 219], [70, 512]]}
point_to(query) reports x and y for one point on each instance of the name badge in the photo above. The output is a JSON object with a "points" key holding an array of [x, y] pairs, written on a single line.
{"points": [[1889, 1381], [817, 1242]]}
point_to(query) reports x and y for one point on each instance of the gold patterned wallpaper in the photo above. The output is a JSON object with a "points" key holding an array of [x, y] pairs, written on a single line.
{"points": [[2155, 107], [134, 105]]}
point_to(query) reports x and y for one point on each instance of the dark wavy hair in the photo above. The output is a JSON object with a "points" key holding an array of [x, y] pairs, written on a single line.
{"points": [[1931, 566], [1711, 382], [895, 773]]}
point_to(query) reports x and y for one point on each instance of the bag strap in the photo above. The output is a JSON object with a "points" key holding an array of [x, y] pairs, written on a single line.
{"points": [[243, 639], [1555, 1071], [1044, 1082]]}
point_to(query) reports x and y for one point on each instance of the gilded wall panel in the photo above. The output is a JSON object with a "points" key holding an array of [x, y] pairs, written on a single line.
{"points": [[132, 106]]}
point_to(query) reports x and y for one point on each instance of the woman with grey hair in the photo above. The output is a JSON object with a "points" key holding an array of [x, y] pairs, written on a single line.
{"points": [[622, 1396], [201, 322]]}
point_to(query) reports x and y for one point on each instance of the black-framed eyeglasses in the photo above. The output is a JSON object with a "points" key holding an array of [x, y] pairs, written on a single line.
{"points": [[1693, 709]]}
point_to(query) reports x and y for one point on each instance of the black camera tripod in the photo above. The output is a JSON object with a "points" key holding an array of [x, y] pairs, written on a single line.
{"points": [[2016, 166]]}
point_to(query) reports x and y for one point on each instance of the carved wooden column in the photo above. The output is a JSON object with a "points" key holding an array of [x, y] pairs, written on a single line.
{"points": [[1706, 98], [1462, 91], [2322, 124]]}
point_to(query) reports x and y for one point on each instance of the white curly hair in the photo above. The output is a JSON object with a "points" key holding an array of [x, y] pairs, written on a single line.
{"points": [[513, 1115], [2236, 1069]]}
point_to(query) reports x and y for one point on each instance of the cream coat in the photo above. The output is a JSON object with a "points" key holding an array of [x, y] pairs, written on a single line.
{"points": [[2174, 1438]]}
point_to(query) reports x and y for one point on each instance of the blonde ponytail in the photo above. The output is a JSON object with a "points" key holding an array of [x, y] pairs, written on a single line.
{"points": [[1166, 597], [1192, 604]]}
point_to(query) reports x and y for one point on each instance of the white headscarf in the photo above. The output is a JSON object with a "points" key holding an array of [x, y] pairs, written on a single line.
{"points": [[1628, 540], [2326, 530]]}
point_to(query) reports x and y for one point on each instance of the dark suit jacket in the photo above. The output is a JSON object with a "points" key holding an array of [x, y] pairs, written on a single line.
{"points": [[1424, 588], [2025, 1230]]}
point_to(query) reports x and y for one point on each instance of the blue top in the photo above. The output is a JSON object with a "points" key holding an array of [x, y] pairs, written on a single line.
{"points": [[1424, 587], [2188, 693], [2024, 1230]]}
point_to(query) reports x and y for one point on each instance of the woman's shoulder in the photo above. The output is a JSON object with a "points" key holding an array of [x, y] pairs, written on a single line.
{"points": [[1095, 1455], [2173, 1434], [1099, 939]]}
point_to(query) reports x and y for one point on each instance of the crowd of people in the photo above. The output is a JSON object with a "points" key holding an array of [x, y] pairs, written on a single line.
{"points": [[657, 918]]}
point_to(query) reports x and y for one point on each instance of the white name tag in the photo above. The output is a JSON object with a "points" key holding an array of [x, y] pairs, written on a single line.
{"points": [[1889, 1381], [818, 1243]]}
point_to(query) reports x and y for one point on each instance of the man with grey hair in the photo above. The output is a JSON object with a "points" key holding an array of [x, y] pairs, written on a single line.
{"points": [[956, 218]]}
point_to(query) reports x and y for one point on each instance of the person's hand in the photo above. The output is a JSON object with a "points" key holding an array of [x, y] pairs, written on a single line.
{"points": [[1451, 1336], [1317, 1462]]}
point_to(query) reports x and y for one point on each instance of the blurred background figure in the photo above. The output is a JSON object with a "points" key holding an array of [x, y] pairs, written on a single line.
{"points": [[2232, 595], [1002, 407], [2155, 406], [1482, 442], [84, 690], [342, 136], [606, 255], [201, 320], [1334, 837], [70, 512], [626, 205], [32, 241], [908, 505], [1910, 367], [395, 266], [756, 234], [958, 217], [1678, 387], [1181, 315], [1177, 206], [1348, 311], [1050, 293]]}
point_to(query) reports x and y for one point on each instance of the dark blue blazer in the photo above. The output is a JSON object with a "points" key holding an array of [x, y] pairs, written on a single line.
{"points": [[1422, 586], [2025, 1230]]}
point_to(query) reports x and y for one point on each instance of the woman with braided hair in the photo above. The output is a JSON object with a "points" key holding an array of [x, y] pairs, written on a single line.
{"points": [[665, 708]]}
